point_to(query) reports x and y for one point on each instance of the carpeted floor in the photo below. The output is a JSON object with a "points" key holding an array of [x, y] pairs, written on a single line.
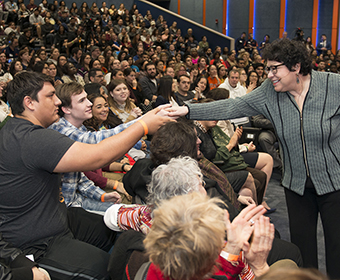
{"points": [[276, 199]]}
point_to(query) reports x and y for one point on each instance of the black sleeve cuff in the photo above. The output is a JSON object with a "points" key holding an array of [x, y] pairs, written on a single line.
{"points": [[187, 115], [23, 273], [21, 261]]}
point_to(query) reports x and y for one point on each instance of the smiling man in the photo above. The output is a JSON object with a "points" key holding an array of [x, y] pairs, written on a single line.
{"points": [[77, 189], [68, 243]]}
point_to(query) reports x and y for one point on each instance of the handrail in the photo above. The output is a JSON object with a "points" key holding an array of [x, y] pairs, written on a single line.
{"points": [[224, 37]]}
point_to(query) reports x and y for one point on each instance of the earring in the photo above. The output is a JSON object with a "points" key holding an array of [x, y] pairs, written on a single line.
{"points": [[297, 78]]}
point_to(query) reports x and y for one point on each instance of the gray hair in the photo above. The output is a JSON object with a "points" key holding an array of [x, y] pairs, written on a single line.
{"points": [[179, 176]]}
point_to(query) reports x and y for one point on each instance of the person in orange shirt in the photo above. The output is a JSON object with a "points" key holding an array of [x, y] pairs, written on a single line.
{"points": [[213, 79]]}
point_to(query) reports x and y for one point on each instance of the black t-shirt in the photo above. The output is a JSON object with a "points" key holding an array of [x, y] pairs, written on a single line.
{"points": [[182, 98], [31, 204]]}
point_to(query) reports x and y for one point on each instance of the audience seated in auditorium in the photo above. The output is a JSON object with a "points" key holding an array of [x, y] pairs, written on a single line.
{"points": [[73, 46]]}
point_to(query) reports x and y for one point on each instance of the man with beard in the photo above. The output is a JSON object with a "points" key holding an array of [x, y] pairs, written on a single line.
{"points": [[149, 82]]}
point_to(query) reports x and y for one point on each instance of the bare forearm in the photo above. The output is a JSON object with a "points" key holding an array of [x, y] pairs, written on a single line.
{"points": [[85, 157], [115, 166], [114, 184], [230, 147], [119, 166]]}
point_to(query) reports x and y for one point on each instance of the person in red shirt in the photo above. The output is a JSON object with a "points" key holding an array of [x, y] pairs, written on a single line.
{"points": [[177, 242]]}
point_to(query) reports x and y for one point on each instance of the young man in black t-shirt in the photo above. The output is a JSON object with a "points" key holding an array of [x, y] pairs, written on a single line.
{"points": [[33, 216]]}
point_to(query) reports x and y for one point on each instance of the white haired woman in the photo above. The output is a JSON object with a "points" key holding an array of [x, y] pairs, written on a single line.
{"points": [[179, 176]]}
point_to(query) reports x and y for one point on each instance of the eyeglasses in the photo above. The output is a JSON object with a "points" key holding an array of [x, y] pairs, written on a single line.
{"points": [[273, 68]]}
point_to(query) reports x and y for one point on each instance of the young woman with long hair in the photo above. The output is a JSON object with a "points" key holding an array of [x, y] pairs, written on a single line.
{"points": [[253, 81], [120, 102], [85, 64], [165, 93], [136, 91], [200, 87]]}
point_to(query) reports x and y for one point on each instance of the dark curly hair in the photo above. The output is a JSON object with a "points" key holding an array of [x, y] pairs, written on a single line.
{"points": [[290, 53], [172, 140]]}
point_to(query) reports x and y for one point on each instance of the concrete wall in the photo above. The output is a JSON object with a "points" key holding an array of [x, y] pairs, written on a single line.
{"points": [[193, 10], [299, 14]]}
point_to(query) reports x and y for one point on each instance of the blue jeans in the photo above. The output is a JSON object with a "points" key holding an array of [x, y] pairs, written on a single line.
{"points": [[95, 205]]}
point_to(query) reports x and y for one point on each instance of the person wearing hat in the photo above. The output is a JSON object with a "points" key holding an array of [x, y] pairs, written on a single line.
{"points": [[152, 27]]}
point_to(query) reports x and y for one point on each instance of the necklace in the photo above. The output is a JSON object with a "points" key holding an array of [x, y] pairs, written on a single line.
{"points": [[200, 126]]}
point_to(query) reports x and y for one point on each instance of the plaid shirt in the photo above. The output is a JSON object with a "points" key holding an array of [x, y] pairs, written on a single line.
{"points": [[75, 185]]}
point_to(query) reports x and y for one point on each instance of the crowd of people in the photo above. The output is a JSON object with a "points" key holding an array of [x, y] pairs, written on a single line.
{"points": [[92, 93]]}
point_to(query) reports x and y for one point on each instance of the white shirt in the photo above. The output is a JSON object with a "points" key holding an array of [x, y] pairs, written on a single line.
{"points": [[237, 91]]}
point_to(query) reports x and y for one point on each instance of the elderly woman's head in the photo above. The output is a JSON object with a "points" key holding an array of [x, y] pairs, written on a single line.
{"points": [[290, 53], [177, 242], [179, 176]]}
